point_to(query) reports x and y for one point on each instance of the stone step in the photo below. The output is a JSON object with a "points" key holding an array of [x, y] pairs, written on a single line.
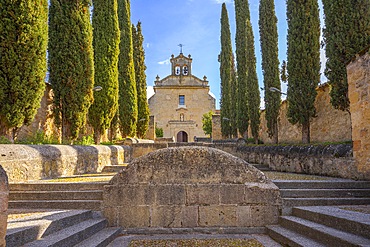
{"points": [[30, 228], [72, 235], [262, 167], [102, 238], [57, 186], [114, 168], [322, 184], [56, 195], [289, 203], [336, 217], [322, 201], [321, 233], [311, 193], [57, 204], [290, 238]]}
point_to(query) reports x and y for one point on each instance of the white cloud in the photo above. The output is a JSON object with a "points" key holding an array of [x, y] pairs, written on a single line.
{"points": [[149, 91], [165, 62], [147, 45]]}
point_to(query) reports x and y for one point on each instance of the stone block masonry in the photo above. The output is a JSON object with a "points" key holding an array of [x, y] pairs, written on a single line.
{"points": [[358, 74], [4, 196], [34, 162], [190, 188]]}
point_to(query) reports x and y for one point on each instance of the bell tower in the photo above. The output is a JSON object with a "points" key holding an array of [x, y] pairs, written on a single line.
{"points": [[181, 65]]}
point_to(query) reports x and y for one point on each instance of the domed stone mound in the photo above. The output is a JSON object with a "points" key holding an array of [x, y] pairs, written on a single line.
{"points": [[184, 165], [190, 188]]}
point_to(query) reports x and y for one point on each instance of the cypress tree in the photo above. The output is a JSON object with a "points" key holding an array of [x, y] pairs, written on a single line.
{"points": [[241, 16], [225, 73], [303, 65], [127, 85], [270, 64], [71, 64], [253, 92], [23, 43], [139, 62], [106, 51], [346, 32], [234, 102]]}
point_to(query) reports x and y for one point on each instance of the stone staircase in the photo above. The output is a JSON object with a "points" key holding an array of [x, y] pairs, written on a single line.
{"points": [[322, 213], [322, 226], [296, 193], [82, 195], [60, 228]]}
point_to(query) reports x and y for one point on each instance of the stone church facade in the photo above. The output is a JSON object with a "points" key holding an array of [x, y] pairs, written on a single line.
{"points": [[180, 100]]}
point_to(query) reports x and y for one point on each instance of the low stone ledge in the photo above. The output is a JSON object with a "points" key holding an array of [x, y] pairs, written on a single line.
{"points": [[190, 187], [34, 162]]}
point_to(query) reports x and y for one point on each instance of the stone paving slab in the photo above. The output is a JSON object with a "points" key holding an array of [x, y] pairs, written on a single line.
{"points": [[124, 241]]}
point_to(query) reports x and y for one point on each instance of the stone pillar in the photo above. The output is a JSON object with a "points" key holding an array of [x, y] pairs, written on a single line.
{"points": [[150, 134], [216, 127], [4, 195], [358, 73]]}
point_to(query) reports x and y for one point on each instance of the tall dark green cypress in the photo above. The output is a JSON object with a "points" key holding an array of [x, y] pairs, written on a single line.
{"points": [[71, 64], [270, 64], [303, 65], [140, 76], [225, 58], [106, 50], [346, 32], [234, 102], [253, 93], [127, 84], [241, 16], [23, 43]]}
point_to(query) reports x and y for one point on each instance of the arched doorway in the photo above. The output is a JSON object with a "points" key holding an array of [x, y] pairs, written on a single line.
{"points": [[182, 136]]}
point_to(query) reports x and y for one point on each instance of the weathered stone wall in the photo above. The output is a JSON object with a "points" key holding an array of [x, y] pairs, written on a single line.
{"points": [[326, 160], [358, 74], [4, 196], [216, 127], [44, 119], [150, 134], [33, 162], [192, 188], [330, 125]]}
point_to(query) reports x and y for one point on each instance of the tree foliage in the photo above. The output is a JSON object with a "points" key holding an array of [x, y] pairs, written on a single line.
{"points": [[303, 65], [127, 85], [270, 64], [242, 15], [23, 43], [253, 93], [346, 32], [106, 50], [139, 62], [226, 67], [234, 102], [71, 63], [207, 123]]}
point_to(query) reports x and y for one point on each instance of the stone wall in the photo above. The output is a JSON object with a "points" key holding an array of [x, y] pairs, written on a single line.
{"points": [[358, 74], [33, 162], [150, 134], [216, 127], [4, 196], [330, 125], [190, 188], [326, 160], [44, 119]]}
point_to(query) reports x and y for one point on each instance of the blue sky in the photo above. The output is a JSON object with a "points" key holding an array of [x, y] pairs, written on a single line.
{"points": [[196, 24]]}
